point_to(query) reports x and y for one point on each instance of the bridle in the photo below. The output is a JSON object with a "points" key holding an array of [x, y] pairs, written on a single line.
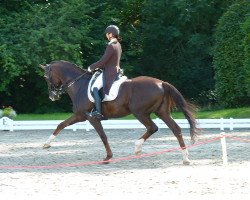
{"points": [[59, 90]]}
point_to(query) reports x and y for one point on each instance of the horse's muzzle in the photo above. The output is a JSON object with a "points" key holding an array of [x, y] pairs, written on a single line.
{"points": [[53, 96]]}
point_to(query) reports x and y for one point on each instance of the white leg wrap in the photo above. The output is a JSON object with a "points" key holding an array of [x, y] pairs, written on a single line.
{"points": [[138, 146], [186, 160], [50, 139]]}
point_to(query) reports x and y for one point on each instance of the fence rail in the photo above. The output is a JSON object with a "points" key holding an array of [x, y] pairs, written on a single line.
{"points": [[11, 125]]}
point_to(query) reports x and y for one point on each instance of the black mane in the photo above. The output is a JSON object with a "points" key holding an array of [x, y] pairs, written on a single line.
{"points": [[67, 63]]}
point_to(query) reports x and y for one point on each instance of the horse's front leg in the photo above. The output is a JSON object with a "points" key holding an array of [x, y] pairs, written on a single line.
{"points": [[72, 120], [99, 129]]}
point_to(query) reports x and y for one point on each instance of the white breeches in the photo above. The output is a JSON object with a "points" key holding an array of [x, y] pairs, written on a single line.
{"points": [[98, 83]]}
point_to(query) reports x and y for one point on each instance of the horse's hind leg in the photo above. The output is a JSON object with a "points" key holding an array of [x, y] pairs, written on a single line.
{"points": [[151, 128], [174, 127]]}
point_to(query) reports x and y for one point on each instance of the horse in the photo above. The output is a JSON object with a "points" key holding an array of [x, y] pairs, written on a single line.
{"points": [[139, 96]]}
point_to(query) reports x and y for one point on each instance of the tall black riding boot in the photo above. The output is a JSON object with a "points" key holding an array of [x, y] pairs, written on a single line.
{"points": [[98, 106]]}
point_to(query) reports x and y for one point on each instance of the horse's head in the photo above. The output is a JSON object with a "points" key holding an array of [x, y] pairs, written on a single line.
{"points": [[55, 86]]}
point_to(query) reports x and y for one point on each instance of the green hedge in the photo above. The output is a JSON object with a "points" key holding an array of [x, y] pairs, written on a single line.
{"points": [[231, 56], [246, 27]]}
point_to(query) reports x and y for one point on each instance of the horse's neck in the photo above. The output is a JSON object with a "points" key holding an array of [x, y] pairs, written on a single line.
{"points": [[77, 83], [70, 74], [78, 93]]}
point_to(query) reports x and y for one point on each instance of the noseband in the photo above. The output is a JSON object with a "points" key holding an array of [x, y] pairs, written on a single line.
{"points": [[59, 90]]}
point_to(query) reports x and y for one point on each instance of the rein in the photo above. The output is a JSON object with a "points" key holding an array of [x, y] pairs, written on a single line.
{"points": [[64, 87]]}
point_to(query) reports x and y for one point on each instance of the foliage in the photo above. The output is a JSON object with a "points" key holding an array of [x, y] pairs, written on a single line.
{"points": [[167, 39], [8, 112], [176, 43], [39, 35], [229, 61], [246, 27]]}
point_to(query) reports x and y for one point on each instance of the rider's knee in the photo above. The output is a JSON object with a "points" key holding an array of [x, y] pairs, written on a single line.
{"points": [[95, 89]]}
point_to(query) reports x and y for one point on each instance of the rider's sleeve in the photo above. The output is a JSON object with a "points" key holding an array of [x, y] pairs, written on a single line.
{"points": [[105, 58]]}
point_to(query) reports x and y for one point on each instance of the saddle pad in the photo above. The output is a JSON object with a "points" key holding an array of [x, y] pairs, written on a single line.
{"points": [[113, 92]]}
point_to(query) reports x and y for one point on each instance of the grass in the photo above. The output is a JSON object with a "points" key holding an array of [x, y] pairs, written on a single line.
{"points": [[46, 116], [225, 113]]}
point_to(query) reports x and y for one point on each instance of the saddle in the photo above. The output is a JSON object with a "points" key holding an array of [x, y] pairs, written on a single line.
{"points": [[113, 92]]}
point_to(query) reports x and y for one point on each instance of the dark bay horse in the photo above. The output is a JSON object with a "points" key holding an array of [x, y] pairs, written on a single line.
{"points": [[140, 96]]}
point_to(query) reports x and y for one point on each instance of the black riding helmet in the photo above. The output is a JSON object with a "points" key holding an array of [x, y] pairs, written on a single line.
{"points": [[113, 29]]}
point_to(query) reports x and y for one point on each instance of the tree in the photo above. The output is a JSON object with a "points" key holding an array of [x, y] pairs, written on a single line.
{"points": [[37, 34], [167, 39], [230, 62], [246, 27], [176, 43]]}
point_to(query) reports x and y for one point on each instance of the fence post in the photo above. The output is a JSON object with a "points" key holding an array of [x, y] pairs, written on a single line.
{"points": [[11, 125], [87, 125], [224, 148], [74, 127], [221, 124], [231, 126]]}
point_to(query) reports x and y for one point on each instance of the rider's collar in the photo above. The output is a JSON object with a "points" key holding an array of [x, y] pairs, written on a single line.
{"points": [[113, 40]]}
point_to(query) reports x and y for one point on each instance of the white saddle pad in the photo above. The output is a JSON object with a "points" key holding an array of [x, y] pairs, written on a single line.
{"points": [[113, 92]]}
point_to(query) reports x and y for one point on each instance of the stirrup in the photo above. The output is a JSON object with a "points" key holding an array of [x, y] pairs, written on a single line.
{"points": [[95, 114]]}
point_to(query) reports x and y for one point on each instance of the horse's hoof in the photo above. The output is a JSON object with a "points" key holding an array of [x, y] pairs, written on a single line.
{"points": [[106, 160], [194, 139], [138, 152], [46, 146], [186, 162]]}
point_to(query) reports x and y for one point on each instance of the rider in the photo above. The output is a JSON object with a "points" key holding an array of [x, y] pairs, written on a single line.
{"points": [[110, 63]]}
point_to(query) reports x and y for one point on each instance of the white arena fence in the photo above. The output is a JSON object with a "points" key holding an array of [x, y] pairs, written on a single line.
{"points": [[222, 124]]}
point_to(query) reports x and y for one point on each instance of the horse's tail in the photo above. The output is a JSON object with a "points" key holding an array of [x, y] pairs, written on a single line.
{"points": [[176, 99]]}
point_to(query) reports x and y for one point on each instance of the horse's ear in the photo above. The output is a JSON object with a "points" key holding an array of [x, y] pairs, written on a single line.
{"points": [[42, 66]]}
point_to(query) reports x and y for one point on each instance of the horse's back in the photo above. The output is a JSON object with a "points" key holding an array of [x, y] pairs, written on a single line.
{"points": [[146, 84], [144, 92], [148, 79]]}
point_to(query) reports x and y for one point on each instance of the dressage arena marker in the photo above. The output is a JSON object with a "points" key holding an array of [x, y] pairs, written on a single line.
{"points": [[222, 137]]}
